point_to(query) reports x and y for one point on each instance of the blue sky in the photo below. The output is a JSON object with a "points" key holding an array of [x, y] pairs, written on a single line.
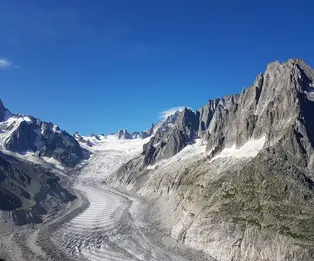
{"points": [[97, 66]]}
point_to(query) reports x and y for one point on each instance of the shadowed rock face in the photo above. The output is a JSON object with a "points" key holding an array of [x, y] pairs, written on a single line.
{"points": [[60, 145], [28, 191], [3, 112], [173, 135], [169, 142], [23, 138]]}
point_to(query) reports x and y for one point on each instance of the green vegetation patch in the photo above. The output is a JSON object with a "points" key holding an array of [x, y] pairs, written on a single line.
{"points": [[243, 220]]}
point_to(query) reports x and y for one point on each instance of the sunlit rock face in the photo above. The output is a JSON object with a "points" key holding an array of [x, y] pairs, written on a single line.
{"points": [[276, 106]]}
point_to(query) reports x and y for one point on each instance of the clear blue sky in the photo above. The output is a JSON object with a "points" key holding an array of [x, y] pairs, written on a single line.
{"points": [[97, 66]]}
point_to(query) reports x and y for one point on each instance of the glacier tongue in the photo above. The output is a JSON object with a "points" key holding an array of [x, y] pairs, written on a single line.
{"points": [[112, 226]]}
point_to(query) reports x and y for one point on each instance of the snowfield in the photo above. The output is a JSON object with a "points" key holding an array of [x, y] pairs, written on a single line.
{"points": [[127, 147]]}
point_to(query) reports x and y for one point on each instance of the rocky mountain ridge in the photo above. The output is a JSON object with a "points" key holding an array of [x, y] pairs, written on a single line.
{"points": [[22, 134], [260, 110]]}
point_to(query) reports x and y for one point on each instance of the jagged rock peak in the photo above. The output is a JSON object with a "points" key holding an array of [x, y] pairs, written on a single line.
{"points": [[94, 136], [123, 134], [290, 62], [2, 105], [77, 136], [173, 116]]}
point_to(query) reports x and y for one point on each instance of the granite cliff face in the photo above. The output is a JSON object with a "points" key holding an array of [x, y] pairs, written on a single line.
{"points": [[235, 178]]}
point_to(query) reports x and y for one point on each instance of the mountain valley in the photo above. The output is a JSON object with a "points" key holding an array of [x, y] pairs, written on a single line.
{"points": [[231, 181]]}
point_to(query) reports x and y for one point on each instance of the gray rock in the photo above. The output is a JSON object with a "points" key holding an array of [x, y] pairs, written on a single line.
{"points": [[123, 134], [171, 136], [23, 138], [60, 145]]}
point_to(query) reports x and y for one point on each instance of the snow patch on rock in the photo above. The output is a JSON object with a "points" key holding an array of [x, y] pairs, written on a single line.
{"points": [[56, 128], [248, 150], [191, 152], [27, 119], [53, 162]]}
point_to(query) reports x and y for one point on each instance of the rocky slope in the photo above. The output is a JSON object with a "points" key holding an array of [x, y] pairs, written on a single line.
{"points": [[30, 149], [28, 191], [235, 178]]}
